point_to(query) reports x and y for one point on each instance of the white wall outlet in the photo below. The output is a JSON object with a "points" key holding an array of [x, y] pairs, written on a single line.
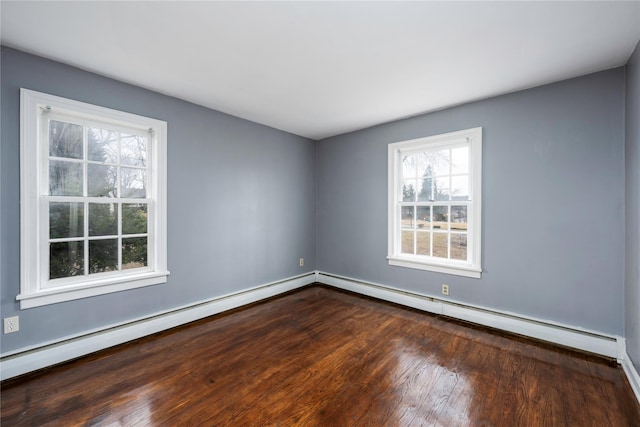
{"points": [[445, 289], [11, 324], [301, 262]]}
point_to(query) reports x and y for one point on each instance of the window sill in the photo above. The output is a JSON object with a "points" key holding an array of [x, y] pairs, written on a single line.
{"points": [[458, 270], [90, 289]]}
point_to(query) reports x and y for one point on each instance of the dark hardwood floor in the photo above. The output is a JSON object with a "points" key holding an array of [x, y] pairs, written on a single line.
{"points": [[320, 357]]}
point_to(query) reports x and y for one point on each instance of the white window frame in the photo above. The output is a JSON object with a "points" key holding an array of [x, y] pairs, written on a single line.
{"points": [[468, 268], [35, 289]]}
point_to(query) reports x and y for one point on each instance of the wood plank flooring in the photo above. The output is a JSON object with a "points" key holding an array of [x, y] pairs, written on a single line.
{"points": [[320, 357]]}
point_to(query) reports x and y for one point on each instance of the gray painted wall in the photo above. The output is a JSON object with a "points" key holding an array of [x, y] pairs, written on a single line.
{"points": [[246, 201], [240, 202], [632, 213], [553, 202]]}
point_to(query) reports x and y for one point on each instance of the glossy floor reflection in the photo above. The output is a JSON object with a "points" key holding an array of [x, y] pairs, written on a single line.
{"points": [[319, 357], [417, 372]]}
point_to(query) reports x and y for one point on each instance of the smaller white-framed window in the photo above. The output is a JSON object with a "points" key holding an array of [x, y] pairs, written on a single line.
{"points": [[435, 203], [92, 200]]}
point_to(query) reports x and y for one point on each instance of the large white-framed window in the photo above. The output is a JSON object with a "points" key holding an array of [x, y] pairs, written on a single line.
{"points": [[92, 200], [435, 207]]}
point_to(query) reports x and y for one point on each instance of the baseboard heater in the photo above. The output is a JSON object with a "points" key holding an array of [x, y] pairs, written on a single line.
{"points": [[602, 344], [28, 359]]}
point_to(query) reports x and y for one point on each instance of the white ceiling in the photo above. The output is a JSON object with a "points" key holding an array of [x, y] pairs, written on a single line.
{"points": [[319, 69]]}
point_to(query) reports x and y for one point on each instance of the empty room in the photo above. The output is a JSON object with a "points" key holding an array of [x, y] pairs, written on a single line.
{"points": [[320, 213]]}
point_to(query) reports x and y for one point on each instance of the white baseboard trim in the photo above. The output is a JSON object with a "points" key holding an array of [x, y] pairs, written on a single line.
{"points": [[632, 375], [47, 354], [33, 358], [554, 332]]}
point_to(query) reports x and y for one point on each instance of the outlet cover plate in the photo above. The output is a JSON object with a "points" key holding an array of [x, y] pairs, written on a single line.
{"points": [[11, 324]]}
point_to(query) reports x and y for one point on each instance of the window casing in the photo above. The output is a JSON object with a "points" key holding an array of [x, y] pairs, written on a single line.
{"points": [[93, 200], [435, 203]]}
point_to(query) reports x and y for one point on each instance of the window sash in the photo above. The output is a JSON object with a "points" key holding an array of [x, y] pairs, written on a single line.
{"points": [[86, 237], [469, 232]]}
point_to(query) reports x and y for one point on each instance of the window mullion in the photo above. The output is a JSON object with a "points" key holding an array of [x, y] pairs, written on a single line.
{"points": [[398, 197], [85, 193], [431, 232], [449, 205], [120, 235], [449, 231], [470, 234], [415, 228]]}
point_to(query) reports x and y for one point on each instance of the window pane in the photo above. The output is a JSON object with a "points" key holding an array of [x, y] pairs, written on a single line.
{"points": [[460, 160], [409, 190], [407, 216], [440, 245], [101, 180], [65, 178], [102, 145], [459, 246], [133, 183], [134, 253], [103, 255], [441, 161], [66, 220], [133, 150], [426, 164], [409, 166], [423, 217], [441, 188], [440, 218], [103, 219], [134, 218], [65, 140], [423, 243], [406, 246], [425, 193], [459, 218], [66, 259], [460, 187]]}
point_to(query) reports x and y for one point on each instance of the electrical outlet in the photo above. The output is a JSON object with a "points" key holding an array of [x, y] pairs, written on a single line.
{"points": [[11, 324], [301, 262], [445, 289]]}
